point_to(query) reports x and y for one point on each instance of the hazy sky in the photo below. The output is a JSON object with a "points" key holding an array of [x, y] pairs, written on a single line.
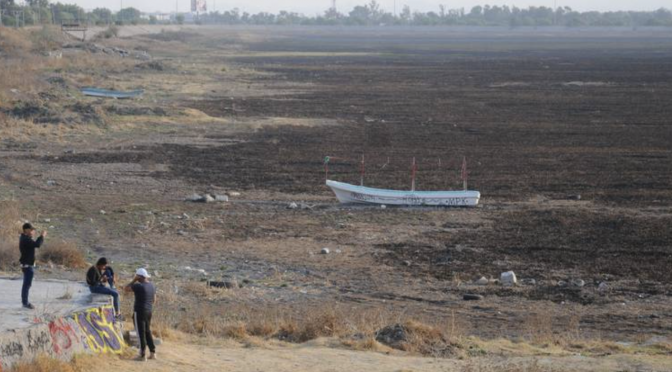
{"points": [[311, 7]]}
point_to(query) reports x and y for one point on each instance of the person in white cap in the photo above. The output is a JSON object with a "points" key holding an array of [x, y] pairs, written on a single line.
{"points": [[145, 298]]}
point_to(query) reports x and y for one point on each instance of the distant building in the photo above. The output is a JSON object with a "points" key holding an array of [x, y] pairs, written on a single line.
{"points": [[161, 17]]}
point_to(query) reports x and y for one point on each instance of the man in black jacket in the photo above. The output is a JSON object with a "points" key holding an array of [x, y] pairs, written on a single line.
{"points": [[27, 247]]}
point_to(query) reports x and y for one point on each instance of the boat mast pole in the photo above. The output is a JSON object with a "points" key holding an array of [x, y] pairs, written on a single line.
{"points": [[361, 172], [326, 168], [414, 169], [464, 173]]}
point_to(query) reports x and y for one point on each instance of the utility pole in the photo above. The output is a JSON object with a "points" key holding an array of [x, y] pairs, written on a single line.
{"points": [[16, 18]]}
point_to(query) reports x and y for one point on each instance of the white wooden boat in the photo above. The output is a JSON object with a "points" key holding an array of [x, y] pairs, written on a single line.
{"points": [[347, 193]]}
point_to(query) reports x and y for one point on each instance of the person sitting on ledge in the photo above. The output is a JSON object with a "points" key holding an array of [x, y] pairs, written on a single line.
{"points": [[96, 281]]}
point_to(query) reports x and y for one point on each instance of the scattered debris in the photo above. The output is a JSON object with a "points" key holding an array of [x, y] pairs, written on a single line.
{"points": [[293, 206], [603, 287], [482, 281], [393, 336], [221, 198], [528, 281], [234, 194], [472, 297], [195, 198], [407, 263], [508, 278], [206, 198], [324, 251], [51, 183], [136, 111], [151, 65], [578, 283], [228, 284]]}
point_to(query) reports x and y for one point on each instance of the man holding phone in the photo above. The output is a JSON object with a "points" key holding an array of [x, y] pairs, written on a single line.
{"points": [[27, 246], [145, 299]]}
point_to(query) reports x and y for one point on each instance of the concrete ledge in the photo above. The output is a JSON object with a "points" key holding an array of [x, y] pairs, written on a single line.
{"points": [[86, 325]]}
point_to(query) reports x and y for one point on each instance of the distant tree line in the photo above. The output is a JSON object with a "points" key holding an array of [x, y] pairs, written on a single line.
{"points": [[36, 12], [372, 14]]}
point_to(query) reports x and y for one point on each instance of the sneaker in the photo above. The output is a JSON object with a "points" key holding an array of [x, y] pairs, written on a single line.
{"points": [[152, 356], [29, 306], [141, 358]]}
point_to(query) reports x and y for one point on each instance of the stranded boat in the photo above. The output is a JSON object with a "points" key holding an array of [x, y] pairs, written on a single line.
{"points": [[347, 193], [95, 92]]}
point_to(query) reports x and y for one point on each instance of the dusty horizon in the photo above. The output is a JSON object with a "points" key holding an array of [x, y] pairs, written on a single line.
{"points": [[316, 7]]}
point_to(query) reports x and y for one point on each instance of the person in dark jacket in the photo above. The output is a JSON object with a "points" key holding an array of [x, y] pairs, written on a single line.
{"points": [[110, 276], [96, 280], [145, 299], [27, 246]]}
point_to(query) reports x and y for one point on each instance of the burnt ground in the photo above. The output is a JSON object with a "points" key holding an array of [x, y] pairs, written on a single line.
{"points": [[567, 136]]}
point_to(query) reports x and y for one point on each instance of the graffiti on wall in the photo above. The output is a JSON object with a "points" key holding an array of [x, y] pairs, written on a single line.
{"points": [[63, 336], [100, 333], [39, 341], [91, 331]]}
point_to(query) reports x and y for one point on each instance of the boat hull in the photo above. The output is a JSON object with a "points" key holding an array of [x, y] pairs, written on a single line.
{"points": [[94, 92], [351, 194]]}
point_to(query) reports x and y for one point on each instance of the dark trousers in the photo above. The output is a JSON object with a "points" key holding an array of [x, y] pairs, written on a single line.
{"points": [[143, 326], [28, 274], [99, 289]]}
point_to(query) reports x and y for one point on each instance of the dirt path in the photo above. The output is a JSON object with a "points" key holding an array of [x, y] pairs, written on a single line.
{"points": [[315, 356]]}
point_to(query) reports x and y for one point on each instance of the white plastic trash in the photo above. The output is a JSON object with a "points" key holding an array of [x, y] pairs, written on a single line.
{"points": [[508, 278]]}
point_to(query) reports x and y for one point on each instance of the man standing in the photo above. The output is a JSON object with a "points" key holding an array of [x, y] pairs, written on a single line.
{"points": [[96, 281], [27, 247], [145, 298]]}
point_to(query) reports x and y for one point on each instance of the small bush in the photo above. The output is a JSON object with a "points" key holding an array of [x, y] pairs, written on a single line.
{"points": [[13, 41], [10, 223], [46, 39], [63, 253], [112, 31], [415, 337], [9, 255]]}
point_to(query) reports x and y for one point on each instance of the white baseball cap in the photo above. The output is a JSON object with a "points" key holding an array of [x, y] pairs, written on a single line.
{"points": [[142, 272]]}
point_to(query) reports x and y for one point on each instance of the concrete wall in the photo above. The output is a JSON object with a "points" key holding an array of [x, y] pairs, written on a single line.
{"points": [[91, 331]]}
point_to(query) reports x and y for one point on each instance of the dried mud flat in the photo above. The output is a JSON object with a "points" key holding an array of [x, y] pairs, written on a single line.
{"points": [[568, 139]]}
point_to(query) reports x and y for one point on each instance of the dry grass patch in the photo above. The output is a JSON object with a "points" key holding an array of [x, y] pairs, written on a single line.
{"points": [[45, 364], [63, 253], [10, 228], [9, 255], [10, 219], [14, 41]]}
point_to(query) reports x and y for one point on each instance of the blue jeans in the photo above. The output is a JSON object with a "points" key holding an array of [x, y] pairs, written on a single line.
{"points": [[28, 274], [99, 289]]}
